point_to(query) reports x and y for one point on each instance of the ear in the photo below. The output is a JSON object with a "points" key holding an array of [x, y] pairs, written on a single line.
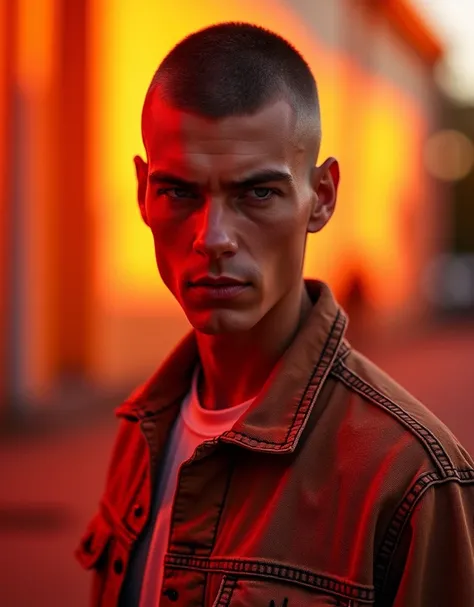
{"points": [[141, 168], [325, 181]]}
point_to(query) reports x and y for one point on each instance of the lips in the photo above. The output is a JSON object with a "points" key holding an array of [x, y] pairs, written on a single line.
{"points": [[216, 282], [214, 290]]}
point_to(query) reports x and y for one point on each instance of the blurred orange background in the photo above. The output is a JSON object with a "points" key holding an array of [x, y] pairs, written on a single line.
{"points": [[85, 274]]}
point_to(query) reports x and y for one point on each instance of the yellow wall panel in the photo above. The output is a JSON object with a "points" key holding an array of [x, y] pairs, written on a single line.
{"points": [[372, 127], [128, 46]]}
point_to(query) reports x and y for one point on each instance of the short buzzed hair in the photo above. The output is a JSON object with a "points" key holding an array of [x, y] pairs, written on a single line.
{"points": [[233, 69]]}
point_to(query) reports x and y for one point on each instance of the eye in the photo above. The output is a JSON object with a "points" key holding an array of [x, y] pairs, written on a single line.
{"points": [[177, 193], [261, 193]]}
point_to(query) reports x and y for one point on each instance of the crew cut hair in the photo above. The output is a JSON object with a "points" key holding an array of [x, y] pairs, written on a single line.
{"points": [[233, 69]]}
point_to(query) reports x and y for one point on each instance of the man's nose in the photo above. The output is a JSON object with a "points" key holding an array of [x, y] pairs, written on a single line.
{"points": [[215, 237]]}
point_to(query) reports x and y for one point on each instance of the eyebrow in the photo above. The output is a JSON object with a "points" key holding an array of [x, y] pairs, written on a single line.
{"points": [[256, 178]]}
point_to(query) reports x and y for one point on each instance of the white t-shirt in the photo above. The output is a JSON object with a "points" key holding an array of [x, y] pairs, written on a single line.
{"points": [[193, 426]]}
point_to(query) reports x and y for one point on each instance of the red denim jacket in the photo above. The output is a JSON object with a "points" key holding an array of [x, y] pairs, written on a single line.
{"points": [[336, 487]]}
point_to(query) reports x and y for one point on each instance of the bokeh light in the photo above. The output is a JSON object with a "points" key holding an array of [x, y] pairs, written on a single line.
{"points": [[449, 155]]}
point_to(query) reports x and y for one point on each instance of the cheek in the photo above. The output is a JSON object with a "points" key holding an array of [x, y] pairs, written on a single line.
{"points": [[168, 254], [165, 228], [169, 230], [284, 241]]}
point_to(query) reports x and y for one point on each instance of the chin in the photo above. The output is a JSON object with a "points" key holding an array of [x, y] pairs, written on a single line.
{"points": [[221, 322]]}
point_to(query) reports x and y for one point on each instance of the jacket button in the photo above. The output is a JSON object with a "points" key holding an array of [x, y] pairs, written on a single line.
{"points": [[172, 594], [118, 566], [138, 510]]}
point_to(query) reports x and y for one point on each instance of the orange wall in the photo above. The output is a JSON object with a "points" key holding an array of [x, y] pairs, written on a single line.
{"points": [[371, 126], [34, 64], [7, 33], [128, 46]]}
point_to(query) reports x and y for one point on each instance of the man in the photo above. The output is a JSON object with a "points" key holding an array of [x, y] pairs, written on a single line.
{"points": [[266, 463]]}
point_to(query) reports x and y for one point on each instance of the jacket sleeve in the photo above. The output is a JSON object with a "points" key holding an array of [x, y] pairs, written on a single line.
{"points": [[433, 563]]}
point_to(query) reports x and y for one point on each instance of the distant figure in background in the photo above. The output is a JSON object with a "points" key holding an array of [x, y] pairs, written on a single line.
{"points": [[266, 463], [355, 302]]}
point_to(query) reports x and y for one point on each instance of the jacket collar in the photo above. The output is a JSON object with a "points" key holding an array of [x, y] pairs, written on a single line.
{"points": [[279, 414]]}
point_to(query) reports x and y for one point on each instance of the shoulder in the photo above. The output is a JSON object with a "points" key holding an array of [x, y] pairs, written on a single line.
{"points": [[398, 422]]}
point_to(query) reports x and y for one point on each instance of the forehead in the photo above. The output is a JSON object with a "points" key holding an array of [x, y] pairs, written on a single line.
{"points": [[178, 139]]}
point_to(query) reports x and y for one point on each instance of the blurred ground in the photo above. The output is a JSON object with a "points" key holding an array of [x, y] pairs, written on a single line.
{"points": [[50, 484]]}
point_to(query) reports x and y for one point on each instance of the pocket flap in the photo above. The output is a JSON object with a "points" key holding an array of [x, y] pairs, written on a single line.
{"points": [[94, 542], [238, 591]]}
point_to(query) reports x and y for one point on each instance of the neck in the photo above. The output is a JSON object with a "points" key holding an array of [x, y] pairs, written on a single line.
{"points": [[236, 365]]}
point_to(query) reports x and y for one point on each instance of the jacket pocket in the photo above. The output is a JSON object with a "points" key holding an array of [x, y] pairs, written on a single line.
{"points": [[237, 591], [94, 544], [93, 554]]}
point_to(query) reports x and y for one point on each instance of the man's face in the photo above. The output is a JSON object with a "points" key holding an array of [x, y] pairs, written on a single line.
{"points": [[229, 203]]}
